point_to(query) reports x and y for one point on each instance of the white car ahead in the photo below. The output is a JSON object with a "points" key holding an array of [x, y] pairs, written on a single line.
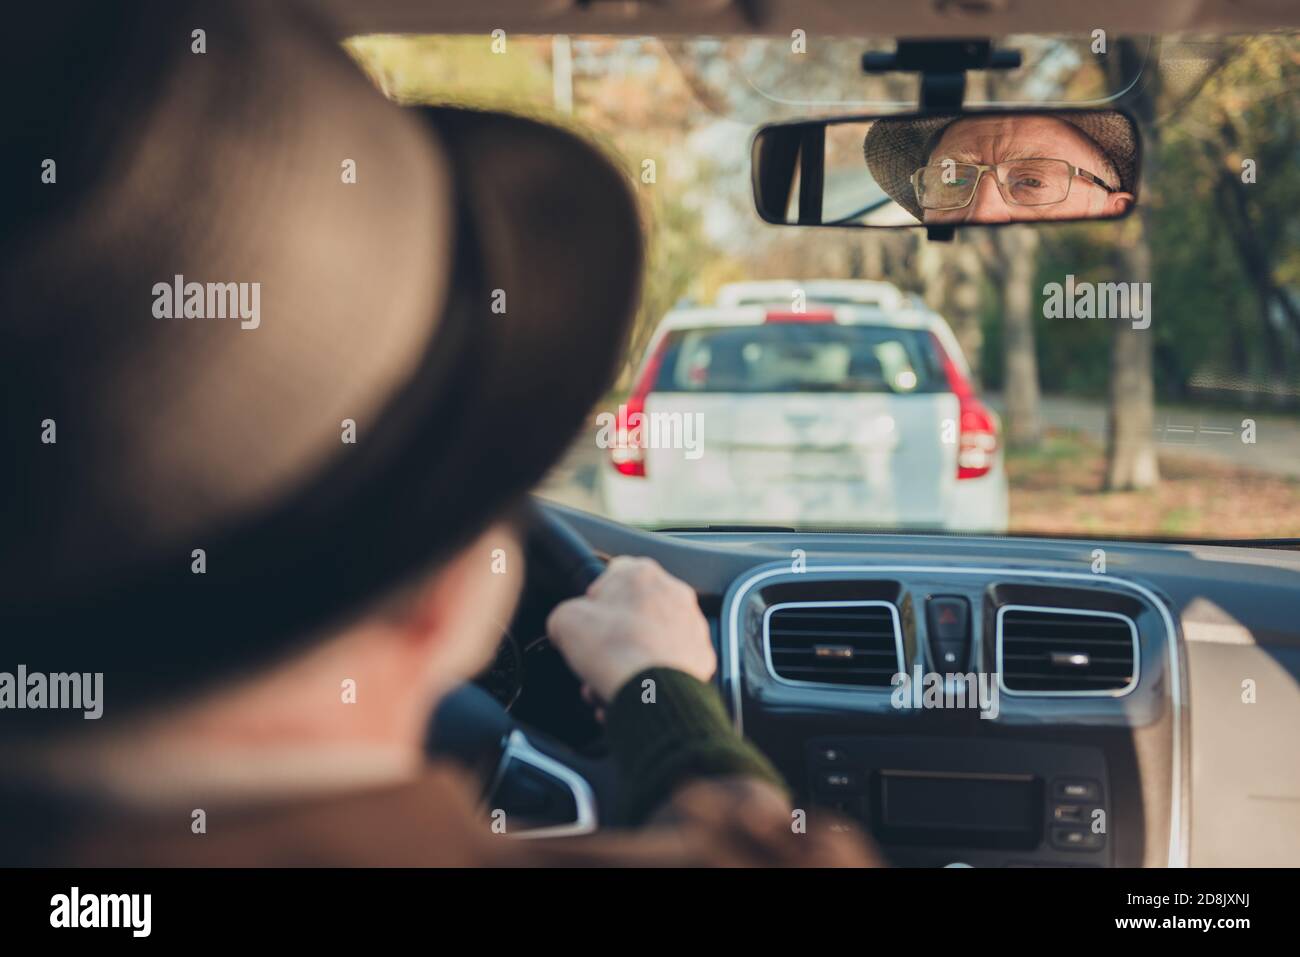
{"points": [[813, 404]]}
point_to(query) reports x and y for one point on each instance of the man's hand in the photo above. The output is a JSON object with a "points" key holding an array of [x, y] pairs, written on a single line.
{"points": [[634, 616]]}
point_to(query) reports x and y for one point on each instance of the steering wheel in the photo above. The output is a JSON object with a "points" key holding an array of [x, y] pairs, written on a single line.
{"points": [[565, 551], [556, 774]]}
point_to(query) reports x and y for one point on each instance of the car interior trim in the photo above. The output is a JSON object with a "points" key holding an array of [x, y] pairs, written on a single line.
{"points": [[1178, 821], [1107, 693], [519, 748], [794, 682]]}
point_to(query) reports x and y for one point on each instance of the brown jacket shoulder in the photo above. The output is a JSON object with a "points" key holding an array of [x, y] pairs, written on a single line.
{"points": [[434, 821]]}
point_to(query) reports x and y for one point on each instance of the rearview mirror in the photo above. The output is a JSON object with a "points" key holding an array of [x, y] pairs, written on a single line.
{"points": [[947, 169]]}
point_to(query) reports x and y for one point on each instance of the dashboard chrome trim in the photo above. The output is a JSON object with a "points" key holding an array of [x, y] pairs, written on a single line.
{"points": [[795, 682], [1111, 693], [519, 748], [730, 625]]}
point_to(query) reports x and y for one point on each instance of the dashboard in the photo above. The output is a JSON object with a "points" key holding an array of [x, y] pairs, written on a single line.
{"points": [[998, 701], [1028, 706]]}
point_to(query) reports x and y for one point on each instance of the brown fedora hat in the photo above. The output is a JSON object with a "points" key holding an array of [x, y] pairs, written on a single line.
{"points": [[262, 312], [895, 148]]}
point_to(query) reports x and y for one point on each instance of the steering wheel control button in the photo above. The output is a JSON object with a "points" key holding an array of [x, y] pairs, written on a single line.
{"points": [[831, 755], [1076, 789], [947, 621], [1077, 839]]}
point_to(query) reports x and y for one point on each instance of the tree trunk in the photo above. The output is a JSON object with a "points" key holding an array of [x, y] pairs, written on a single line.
{"points": [[857, 264], [963, 307], [1130, 421], [1130, 418], [1018, 250], [932, 271]]}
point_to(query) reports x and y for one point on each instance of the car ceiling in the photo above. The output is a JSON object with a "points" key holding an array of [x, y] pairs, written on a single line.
{"points": [[913, 18]]}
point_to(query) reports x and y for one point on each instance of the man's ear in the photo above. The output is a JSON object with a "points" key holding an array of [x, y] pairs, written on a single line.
{"points": [[1117, 204], [438, 606], [425, 613]]}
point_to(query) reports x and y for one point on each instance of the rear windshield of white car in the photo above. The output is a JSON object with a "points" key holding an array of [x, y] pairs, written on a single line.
{"points": [[800, 357]]}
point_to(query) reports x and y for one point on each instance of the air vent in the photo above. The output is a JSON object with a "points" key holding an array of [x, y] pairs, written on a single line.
{"points": [[1063, 651], [854, 643]]}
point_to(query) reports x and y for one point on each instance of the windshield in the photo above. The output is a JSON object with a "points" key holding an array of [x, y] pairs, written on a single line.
{"points": [[1136, 379]]}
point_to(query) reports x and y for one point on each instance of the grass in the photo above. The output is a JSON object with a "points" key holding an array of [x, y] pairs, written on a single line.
{"points": [[1056, 488]]}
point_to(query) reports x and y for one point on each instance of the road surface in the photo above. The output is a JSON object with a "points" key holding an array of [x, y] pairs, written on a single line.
{"points": [[1212, 435]]}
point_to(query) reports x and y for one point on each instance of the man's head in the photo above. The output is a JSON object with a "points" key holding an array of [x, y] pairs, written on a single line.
{"points": [[353, 707], [192, 499], [1001, 168], [1043, 168]]}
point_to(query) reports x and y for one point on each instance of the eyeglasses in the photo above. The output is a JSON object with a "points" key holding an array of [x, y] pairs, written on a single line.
{"points": [[1022, 182]]}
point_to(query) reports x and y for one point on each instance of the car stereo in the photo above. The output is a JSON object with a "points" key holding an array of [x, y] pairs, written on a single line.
{"points": [[985, 803], [931, 807]]}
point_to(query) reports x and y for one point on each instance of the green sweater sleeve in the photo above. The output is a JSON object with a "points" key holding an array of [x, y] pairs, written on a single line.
{"points": [[672, 731]]}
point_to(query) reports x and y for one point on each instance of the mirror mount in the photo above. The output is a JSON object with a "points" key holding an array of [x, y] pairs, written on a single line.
{"points": [[943, 65]]}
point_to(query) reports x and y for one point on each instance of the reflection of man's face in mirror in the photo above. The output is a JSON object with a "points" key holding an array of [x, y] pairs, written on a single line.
{"points": [[988, 141]]}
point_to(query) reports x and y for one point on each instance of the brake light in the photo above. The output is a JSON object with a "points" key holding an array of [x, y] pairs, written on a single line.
{"points": [[977, 440], [811, 315], [628, 452]]}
